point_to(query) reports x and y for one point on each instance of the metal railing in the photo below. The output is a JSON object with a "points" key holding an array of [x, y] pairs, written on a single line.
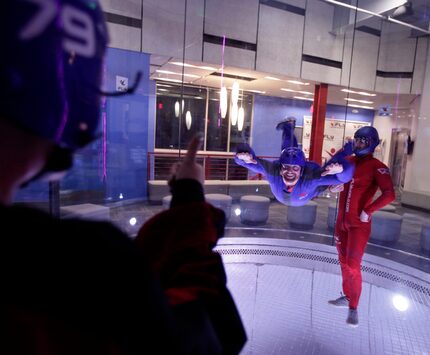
{"points": [[217, 166]]}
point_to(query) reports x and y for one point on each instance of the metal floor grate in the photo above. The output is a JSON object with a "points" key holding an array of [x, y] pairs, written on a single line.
{"points": [[323, 259]]}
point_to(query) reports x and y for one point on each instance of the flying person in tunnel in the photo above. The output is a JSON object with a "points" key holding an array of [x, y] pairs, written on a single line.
{"points": [[293, 180]]}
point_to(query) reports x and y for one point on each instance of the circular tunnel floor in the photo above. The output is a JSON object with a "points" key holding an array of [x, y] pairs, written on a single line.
{"points": [[281, 288]]}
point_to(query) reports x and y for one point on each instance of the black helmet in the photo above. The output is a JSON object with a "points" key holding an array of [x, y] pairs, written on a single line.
{"points": [[369, 133]]}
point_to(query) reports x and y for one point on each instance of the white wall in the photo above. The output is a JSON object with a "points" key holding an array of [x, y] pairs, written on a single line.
{"points": [[418, 176]]}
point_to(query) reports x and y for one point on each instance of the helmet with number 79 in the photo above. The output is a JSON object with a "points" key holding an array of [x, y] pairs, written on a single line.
{"points": [[51, 68]]}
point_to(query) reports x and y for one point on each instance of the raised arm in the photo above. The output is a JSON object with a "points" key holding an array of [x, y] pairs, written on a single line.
{"points": [[245, 156], [339, 168]]}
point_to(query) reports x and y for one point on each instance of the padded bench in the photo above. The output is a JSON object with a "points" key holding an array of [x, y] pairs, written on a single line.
{"points": [[254, 209], [385, 227], [239, 188], [332, 215], [157, 189], [86, 211], [388, 208], [220, 201], [302, 217], [425, 237], [418, 199]]}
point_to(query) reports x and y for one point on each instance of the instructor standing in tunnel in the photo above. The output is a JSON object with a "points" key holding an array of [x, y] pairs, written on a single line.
{"points": [[354, 220]]}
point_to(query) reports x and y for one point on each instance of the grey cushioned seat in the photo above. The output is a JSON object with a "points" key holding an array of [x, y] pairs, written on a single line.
{"points": [[166, 202], [302, 217], [425, 237], [385, 227], [332, 215], [388, 208], [220, 201], [254, 209]]}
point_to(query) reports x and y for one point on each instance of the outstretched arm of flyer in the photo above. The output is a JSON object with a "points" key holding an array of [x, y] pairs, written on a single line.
{"points": [[245, 156]]}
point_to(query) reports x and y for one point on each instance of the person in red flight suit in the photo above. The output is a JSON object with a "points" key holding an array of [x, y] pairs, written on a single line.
{"points": [[353, 224]]}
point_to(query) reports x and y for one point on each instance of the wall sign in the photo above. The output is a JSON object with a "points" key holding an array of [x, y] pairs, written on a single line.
{"points": [[336, 132]]}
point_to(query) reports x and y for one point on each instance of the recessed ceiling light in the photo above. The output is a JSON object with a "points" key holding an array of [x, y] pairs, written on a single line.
{"points": [[171, 80], [300, 92], [272, 78], [303, 98], [204, 67], [257, 91], [297, 82], [361, 101], [358, 92], [360, 106], [174, 73]]}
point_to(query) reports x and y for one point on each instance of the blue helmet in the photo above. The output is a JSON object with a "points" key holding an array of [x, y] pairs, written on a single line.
{"points": [[292, 156], [370, 134], [51, 69]]}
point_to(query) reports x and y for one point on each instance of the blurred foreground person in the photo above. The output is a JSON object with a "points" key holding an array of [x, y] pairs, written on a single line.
{"points": [[354, 218], [178, 244], [69, 286]]}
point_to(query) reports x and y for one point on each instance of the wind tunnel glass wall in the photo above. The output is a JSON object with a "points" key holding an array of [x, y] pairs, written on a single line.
{"points": [[332, 67]]}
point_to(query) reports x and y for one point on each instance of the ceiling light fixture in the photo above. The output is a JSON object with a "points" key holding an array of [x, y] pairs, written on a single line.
{"points": [[299, 91], [240, 115], [257, 91], [171, 80], [272, 78], [223, 94], [358, 92], [297, 82], [234, 111], [355, 100], [360, 106], [173, 73], [204, 67], [188, 120], [303, 98]]}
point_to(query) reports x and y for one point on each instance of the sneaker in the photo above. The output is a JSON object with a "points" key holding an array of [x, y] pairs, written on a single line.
{"points": [[341, 302], [352, 319]]}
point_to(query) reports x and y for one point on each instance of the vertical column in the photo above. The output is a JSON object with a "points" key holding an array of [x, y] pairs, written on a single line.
{"points": [[318, 119]]}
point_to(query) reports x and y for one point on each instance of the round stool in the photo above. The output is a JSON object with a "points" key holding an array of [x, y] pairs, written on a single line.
{"points": [[385, 227], [388, 208], [425, 237], [254, 209], [332, 215], [220, 201], [302, 217], [166, 202]]}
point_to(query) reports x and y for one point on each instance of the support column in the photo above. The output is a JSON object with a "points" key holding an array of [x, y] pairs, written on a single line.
{"points": [[318, 119]]}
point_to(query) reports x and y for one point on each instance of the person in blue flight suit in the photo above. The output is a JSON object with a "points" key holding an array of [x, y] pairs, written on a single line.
{"points": [[293, 180]]}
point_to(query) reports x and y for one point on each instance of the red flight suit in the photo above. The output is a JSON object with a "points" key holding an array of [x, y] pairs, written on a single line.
{"points": [[351, 234]]}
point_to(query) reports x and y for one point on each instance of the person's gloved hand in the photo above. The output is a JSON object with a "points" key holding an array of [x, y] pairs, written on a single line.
{"points": [[336, 188], [348, 148], [188, 168], [332, 169], [364, 217], [246, 157]]}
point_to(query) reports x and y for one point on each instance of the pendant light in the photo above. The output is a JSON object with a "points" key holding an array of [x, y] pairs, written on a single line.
{"points": [[188, 119], [240, 115]]}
